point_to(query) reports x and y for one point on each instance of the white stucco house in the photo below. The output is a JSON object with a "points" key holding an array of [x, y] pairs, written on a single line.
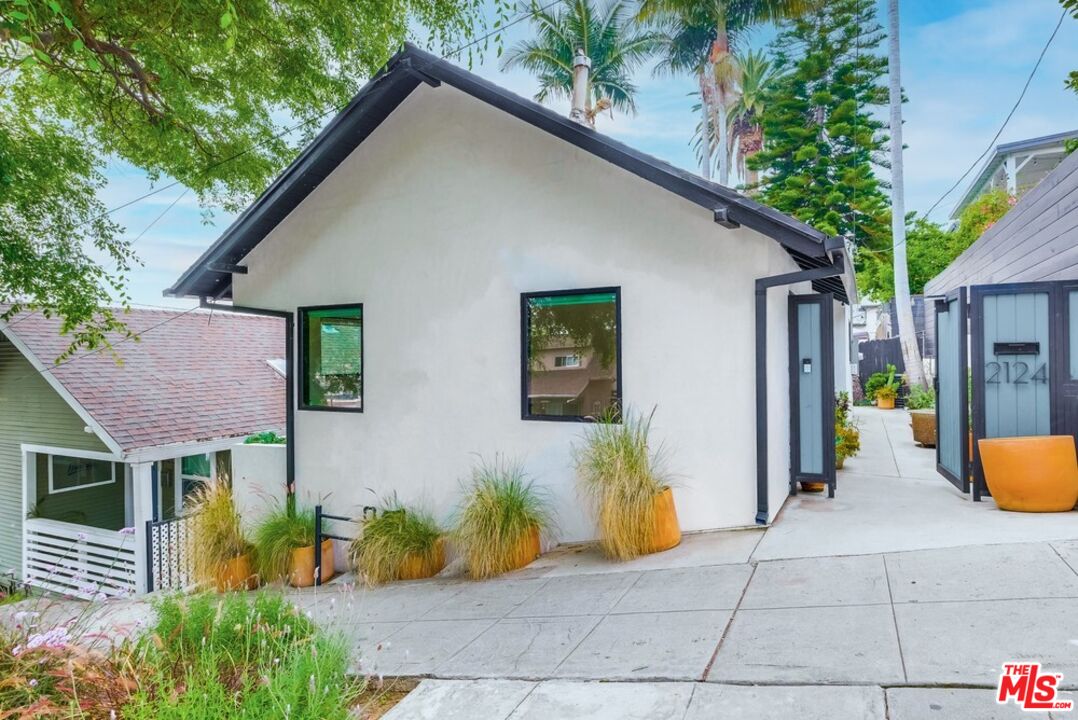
{"points": [[470, 272]]}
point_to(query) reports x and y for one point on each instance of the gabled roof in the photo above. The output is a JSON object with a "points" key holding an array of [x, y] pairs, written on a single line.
{"points": [[190, 378], [210, 275]]}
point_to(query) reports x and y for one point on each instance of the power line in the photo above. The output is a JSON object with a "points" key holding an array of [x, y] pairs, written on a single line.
{"points": [[999, 132]]}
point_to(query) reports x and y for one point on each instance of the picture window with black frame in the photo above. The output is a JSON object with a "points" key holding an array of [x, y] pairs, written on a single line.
{"points": [[571, 359], [332, 358]]}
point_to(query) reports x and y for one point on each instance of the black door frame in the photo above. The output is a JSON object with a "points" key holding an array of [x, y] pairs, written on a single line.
{"points": [[1057, 358], [827, 406], [959, 481]]}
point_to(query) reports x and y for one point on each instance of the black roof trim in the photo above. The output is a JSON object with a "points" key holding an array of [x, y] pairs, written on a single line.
{"points": [[387, 90]]}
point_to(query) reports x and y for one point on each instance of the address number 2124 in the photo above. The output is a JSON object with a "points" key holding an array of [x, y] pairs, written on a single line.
{"points": [[1017, 373]]}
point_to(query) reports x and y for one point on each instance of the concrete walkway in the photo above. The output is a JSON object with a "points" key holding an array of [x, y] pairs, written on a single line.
{"points": [[920, 618], [900, 598]]}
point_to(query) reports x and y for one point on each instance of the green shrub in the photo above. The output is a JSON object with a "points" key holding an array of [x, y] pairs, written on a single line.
{"points": [[265, 438], [501, 506], [390, 537], [277, 534], [620, 473], [921, 399]]}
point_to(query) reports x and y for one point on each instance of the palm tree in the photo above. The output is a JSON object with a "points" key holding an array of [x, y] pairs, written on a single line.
{"points": [[714, 64], [609, 36], [757, 74]]}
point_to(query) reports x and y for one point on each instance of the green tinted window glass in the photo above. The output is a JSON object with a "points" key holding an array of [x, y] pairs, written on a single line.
{"points": [[573, 347], [195, 465], [332, 351]]}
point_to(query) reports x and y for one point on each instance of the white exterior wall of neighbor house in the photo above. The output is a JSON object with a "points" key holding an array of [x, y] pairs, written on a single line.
{"points": [[437, 223]]}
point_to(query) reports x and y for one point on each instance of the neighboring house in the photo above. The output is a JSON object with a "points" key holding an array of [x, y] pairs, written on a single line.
{"points": [[111, 439], [1017, 167], [870, 320], [1036, 240], [516, 273]]}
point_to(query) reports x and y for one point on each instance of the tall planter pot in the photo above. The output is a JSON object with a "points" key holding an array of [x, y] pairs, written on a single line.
{"points": [[666, 533], [923, 423], [1031, 474], [526, 551], [416, 567], [301, 572], [236, 574]]}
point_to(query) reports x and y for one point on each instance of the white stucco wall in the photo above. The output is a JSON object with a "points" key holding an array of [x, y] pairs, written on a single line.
{"points": [[437, 223], [258, 479]]}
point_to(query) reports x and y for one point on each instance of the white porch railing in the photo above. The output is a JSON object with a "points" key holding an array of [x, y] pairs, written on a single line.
{"points": [[77, 560]]}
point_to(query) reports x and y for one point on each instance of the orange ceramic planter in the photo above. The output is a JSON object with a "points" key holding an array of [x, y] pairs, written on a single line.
{"points": [[1031, 474], [885, 403], [302, 570], [236, 574], [416, 567], [666, 533]]}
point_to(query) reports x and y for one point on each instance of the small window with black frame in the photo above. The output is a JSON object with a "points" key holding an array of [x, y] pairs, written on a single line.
{"points": [[571, 359], [332, 358]]}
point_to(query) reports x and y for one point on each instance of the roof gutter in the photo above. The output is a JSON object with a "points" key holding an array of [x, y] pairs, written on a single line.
{"points": [[835, 269], [289, 377]]}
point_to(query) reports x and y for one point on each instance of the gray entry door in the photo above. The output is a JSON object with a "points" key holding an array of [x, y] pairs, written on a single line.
{"points": [[1014, 362], [812, 391], [952, 390]]}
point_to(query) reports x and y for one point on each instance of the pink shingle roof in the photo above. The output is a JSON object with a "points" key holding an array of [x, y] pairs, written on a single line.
{"points": [[196, 377]]}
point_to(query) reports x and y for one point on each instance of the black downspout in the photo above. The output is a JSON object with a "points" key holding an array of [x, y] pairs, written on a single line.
{"points": [[762, 285], [289, 380]]}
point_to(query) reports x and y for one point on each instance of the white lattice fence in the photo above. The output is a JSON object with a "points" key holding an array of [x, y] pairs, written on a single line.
{"points": [[77, 560], [171, 562]]}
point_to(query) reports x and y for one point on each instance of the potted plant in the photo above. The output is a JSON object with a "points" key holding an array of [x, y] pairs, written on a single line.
{"points": [[501, 518], [883, 386], [284, 546], [922, 407], [399, 543], [218, 546], [620, 473]]}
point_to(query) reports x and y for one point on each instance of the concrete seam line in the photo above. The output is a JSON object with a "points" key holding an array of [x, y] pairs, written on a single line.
{"points": [[688, 705], [1060, 556], [729, 624], [602, 617], [535, 685], [894, 619]]}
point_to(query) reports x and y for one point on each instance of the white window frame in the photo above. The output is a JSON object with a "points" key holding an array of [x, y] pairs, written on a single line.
{"points": [[56, 491], [177, 491]]}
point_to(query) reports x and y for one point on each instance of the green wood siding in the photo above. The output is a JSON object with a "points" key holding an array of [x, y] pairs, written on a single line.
{"points": [[30, 412]]}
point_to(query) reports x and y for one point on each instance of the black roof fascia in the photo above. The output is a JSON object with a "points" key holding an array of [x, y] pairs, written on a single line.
{"points": [[387, 90]]}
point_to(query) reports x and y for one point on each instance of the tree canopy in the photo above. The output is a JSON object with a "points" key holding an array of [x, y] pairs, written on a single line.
{"points": [[822, 135], [197, 90], [929, 247]]}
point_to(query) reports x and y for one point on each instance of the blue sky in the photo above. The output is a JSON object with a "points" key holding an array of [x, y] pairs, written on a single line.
{"points": [[963, 65]]}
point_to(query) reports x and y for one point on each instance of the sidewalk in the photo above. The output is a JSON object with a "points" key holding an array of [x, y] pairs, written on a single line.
{"points": [[551, 700], [946, 617]]}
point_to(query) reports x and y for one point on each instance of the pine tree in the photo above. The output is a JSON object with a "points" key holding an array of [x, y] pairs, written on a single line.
{"points": [[821, 138]]}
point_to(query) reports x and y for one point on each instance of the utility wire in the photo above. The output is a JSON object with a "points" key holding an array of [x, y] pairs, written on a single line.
{"points": [[337, 108], [999, 132]]}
